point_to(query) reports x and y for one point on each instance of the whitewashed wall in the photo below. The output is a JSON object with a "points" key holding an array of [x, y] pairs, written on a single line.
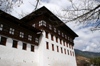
{"points": [[10, 56], [54, 58]]}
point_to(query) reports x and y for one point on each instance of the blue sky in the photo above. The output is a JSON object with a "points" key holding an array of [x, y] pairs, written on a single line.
{"points": [[87, 40]]}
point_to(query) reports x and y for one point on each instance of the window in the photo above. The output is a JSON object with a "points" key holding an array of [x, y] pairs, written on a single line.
{"points": [[60, 41], [3, 40], [47, 45], [57, 49], [57, 39], [68, 52], [65, 51], [14, 44], [1, 27], [67, 44], [52, 37], [58, 32], [36, 40], [29, 37], [52, 47], [64, 43], [65, 37], [62, 34], [61, 50], [24, 46], [32, 48], [55, 30], [46, 34], [33, 25], [11, 31], [50, 27], [42, 23], [21, 35]]}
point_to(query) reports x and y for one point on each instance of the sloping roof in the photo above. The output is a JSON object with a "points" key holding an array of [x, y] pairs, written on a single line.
{"points": [[44, 11]]}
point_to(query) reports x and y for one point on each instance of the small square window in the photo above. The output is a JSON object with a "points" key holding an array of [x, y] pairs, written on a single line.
{"points": [[55, 30], [33, 25], [62, 34], [65, 36], [1, 27], [58, 32], [36, 40], [11, 31], [42, 23], [29, 37], [50, 27], [21, 35]]}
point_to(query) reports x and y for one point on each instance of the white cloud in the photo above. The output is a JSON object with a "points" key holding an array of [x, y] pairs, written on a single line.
{"points": [[87, 40]]}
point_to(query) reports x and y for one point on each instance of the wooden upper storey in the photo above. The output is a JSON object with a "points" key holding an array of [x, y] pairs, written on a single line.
{"points": [[45, 20], [13, 28]]}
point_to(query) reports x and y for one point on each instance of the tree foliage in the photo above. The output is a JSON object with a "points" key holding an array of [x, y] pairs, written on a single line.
{"points": [[84, 12], [9, 5], [95, 61]]}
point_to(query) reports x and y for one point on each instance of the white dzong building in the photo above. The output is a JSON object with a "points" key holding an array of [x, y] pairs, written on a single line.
{"points": [[39, 39]]}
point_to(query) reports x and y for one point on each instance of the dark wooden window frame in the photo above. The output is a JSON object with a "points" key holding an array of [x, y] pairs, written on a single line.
{"points": [[32, 48], [60, 41], [57, 39], [57, 49], [3, 41], [15, 43], [47, 45], [65, 51], [47, 35], [61, 50], [52, 38], [52, 47], [68, 52], [24, 46]]}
